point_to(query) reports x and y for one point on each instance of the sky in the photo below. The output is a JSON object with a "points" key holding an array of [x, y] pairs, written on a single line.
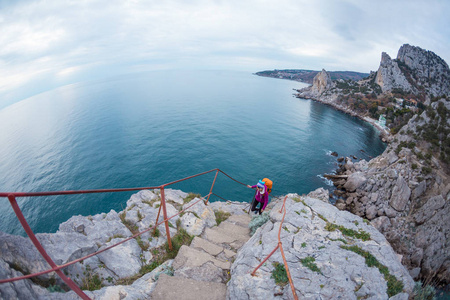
{"points": [[50, 43]]}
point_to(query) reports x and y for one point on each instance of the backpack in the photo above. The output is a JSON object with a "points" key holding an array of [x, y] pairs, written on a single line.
{"points": [[268, 184]]}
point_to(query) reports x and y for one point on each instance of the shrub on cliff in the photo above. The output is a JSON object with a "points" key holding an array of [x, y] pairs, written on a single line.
{"points": [[258, 221]]}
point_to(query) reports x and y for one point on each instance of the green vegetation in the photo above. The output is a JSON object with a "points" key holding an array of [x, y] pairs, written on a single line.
{"points": [[323, 218], [421, 292], [394, 286], [55, 289], [360, 234], [309, 262], [160, 255], [150, 267], [258, 221], [140, 217], [426, 170], [191, 196], [91, 280], [156, 232], [114, 237], [303, 245], [340, 240], [437, 131], [144, 246], [130, 225], [279, 274], [404, 144], [221, 216], [178, 240]]}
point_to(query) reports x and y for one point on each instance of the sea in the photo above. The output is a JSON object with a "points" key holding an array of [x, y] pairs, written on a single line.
{"points": [[148, 129]]}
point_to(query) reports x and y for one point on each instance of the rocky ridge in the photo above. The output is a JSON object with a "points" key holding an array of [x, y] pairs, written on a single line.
{"points": [[327, 254], [405, 192], [313, 228]]}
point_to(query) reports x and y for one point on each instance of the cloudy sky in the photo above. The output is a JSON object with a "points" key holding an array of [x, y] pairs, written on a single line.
{"points": [[49, 43]]}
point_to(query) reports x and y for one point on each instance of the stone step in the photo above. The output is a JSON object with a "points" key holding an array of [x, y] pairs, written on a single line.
{"points": [[190, 257], [241, 220], [232, 228], [224, 238], [170, 288], [193, 263], [213, 249]]}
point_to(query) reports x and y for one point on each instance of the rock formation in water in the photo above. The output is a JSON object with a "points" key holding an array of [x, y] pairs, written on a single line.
{"points": [[322, 82], [325, 249]]}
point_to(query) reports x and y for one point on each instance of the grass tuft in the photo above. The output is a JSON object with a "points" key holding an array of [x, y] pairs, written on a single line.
{"points": [[279, 274], [221, 216], [309, 262], [394, 286], [191, 196], [360, 234]]}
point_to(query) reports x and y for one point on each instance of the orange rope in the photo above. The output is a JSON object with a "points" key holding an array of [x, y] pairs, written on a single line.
{"points": [[280, 245]]}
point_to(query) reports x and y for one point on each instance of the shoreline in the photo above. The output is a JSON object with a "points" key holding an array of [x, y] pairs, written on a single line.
{"points": [[384, 134]]}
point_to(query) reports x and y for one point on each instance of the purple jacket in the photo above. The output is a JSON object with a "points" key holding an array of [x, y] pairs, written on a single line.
{"points": [[264, 198]]}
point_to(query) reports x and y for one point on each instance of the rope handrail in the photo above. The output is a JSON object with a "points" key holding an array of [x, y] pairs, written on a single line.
{"points": [[94, 253], [55, 268], [280, 246]]}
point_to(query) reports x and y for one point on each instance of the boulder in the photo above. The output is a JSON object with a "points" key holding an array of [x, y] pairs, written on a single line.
{"points": [[400, 194], [321, 194], [354, 181], [429, 209]]}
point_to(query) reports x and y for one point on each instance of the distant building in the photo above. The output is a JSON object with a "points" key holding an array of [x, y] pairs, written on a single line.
{"points": [[382, 121]]}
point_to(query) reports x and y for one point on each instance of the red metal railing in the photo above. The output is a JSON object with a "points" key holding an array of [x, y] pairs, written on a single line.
{"points": [[280, 246], [55, 268]]}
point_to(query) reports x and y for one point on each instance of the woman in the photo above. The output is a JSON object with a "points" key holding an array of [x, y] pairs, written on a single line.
{"points": [[261, 197]]}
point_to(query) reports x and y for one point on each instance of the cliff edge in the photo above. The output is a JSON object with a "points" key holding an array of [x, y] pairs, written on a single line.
{"points": [[329, 253]]}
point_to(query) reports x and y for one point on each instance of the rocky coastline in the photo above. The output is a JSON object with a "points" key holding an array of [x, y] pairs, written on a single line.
{"points": [[385, 135], [404, 192]]}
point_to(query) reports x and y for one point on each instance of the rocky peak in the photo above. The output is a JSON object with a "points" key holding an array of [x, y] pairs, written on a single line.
{"points": [[322, 82], [414, 71], [390, 76], [426, 69], [385, 59]]}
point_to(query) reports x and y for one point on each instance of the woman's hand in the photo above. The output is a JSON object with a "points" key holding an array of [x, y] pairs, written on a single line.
{"points": [[249, 186]]}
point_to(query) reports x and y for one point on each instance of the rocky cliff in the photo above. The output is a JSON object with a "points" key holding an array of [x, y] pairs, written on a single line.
{"points": [[405, 192], [330, 253], [389, 76], [415, 71]]}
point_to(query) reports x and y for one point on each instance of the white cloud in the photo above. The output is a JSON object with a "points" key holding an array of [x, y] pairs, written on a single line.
{"points": [[64, 40]]}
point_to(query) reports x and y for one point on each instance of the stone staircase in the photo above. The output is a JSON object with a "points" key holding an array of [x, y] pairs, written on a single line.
{"points": [[203, 269]]}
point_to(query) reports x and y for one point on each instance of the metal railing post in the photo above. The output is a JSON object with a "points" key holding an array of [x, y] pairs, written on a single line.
{"points": [[210, 191], [37, 244], [166, 222]]}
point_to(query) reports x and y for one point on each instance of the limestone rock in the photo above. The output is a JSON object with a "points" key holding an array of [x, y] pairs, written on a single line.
{"points": [[176, 196], [400, 194], [192, 224], [321, 194], [202, 211], [321, 82], [340, 272], [389, 75], [355, 180]]}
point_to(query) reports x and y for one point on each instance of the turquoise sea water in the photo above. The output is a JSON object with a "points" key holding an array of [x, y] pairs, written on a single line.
{"points": [[153, 128]]}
